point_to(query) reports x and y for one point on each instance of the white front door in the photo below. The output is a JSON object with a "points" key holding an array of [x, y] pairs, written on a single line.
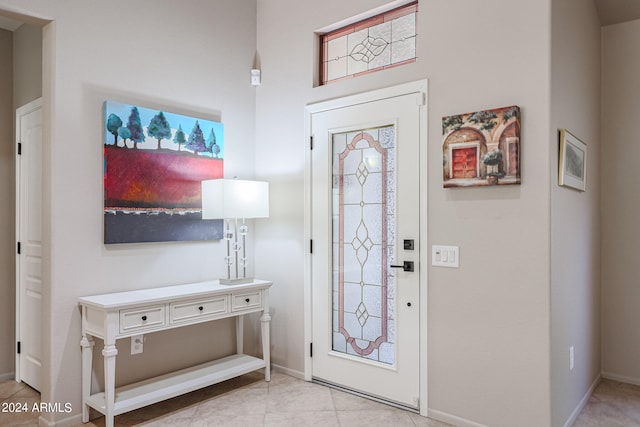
{"points": [[365, 227], [29, 236]]}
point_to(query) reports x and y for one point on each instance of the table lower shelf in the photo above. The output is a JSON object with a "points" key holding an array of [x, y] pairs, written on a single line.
{"points": [[174, 384]]}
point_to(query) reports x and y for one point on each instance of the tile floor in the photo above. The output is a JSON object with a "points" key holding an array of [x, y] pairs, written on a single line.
{"points": [[286, 401], [244, 402], [13, 398]]}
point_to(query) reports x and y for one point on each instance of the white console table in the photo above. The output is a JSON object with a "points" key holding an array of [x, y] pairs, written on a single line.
{"points": [[123, 314]]}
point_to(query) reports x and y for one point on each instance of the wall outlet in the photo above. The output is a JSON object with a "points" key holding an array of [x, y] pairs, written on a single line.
{"points": [[137, 344], [571, 359], [255, 77]]}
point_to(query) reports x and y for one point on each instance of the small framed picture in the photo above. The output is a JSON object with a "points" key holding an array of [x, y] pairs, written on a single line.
{"points": [[573, 161]]}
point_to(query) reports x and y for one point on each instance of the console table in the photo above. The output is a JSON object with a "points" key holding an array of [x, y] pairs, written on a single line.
{"points": [[121, 315]]}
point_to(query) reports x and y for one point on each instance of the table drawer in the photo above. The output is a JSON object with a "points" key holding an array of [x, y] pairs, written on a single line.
{"points": [[190, 310], [246, 301], [140, 319]]}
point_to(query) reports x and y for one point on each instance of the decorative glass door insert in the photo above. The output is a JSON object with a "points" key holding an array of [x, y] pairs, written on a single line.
{"points": [[363, 209]]}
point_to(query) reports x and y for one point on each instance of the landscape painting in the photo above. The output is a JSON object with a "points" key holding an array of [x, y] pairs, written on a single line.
{"points": [[481, 148], [154, 162]]}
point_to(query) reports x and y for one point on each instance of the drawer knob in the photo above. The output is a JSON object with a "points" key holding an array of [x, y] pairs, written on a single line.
{"points": [[247, 300], [144, 318], [201, 308]]}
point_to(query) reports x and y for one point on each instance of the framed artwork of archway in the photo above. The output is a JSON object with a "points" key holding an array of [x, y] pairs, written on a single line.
{"points": [[481, 148]]}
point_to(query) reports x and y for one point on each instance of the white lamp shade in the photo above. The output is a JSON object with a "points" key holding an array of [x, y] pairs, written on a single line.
{"points": [[234, 198]]}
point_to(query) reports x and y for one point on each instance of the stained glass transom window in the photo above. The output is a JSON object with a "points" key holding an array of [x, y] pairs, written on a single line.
{"points": [[383, 41], [363, 238]]}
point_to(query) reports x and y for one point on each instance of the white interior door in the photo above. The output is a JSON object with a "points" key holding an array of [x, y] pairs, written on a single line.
{"points": [[29, 236], [365, 197]]}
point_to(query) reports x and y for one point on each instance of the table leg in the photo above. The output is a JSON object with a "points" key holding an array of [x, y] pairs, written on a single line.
{"points": [[109, 354], [265, 319], [240, 334], [87, 344]]}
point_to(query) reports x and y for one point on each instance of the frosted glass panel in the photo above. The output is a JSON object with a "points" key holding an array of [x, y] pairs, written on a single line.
{"points": [[363, 235], [382, 41]]}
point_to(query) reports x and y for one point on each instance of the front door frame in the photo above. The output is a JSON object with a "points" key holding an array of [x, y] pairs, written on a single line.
{"points": [[420, 86]]}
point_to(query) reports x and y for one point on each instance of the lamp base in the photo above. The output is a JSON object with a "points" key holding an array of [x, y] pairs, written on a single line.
{"points": [[236, 281]]}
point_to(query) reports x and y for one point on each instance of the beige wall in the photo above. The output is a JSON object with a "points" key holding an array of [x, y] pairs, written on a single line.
{"points": [[27, 59], [488, 321], [7, 227], [498, 326], [575, 216], [190, 60], [620, 202]]}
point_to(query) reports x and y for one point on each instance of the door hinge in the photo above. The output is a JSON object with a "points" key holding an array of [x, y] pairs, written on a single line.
{"points": [[311, 246], [310, 349], [311, 143], [422, 99], [19, 248], [18, 347], [19, 148]]}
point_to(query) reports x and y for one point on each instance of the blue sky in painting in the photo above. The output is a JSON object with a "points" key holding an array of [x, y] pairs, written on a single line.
{"points": [[175, 120]]}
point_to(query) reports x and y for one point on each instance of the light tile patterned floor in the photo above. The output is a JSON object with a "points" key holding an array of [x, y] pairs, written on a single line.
{"points": [[286, 401], [13, 398], [244, 402]]}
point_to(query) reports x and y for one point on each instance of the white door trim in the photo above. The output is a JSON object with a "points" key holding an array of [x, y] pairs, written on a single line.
{"points": [[420, 86]]}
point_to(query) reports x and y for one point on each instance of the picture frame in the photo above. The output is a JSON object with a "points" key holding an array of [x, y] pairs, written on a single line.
{"points": [[153, 166], [572, 163], [481, 148]]}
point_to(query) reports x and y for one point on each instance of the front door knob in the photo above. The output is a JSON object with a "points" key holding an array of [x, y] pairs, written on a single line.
{"points": [[406, 266]]}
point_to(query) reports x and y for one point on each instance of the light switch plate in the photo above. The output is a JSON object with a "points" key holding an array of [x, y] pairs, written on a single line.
{"points": [[445, 256]]}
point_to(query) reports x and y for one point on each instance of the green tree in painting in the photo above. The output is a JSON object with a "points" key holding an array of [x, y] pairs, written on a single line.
{"points": [[179, 137], [512, 112], [493, 159], [453, 122], [159, 128], [113, 124], [125, 134], [212, 146], [485, 119], [135, 127]]}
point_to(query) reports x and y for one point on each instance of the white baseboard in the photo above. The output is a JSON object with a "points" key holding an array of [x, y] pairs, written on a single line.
{"points": [[620, 378], [287, 371], [452, 419], [583, 402], [7, 377]]}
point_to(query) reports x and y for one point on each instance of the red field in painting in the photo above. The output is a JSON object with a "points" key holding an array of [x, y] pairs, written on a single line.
{"points": [[155, 178]]}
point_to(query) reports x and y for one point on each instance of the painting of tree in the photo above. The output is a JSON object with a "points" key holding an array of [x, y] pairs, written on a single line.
{"points": [[159, 128], [196, 139], [179, 138], [135, 127], [152, 192], [212, 147], [113, 124]]}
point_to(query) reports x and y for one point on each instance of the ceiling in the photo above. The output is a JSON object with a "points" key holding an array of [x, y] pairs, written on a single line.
{"points": [[610, 11], [617, 11]]}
